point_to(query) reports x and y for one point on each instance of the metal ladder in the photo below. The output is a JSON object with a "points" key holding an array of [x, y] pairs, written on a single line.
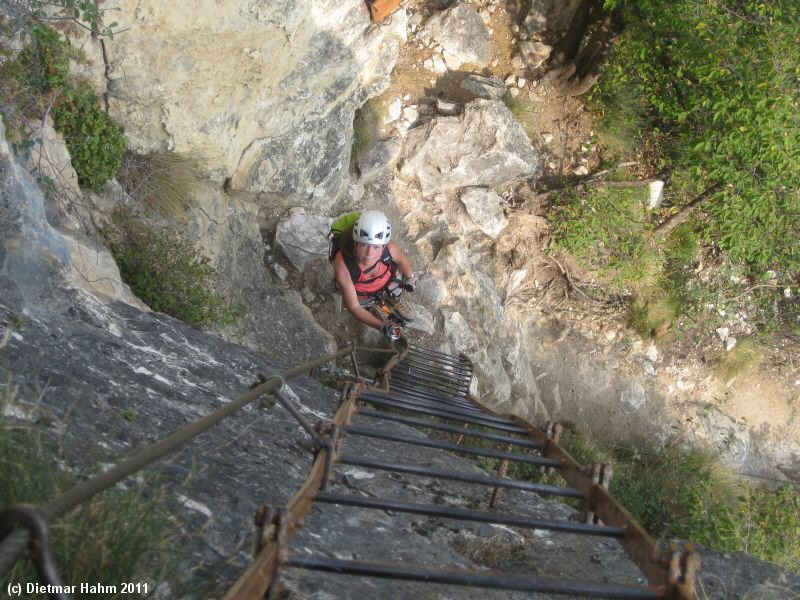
{"points": [[423, 388]]}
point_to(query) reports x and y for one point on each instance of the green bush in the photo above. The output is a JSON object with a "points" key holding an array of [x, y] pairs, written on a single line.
{"points": [[719, 85], [95, 143], [44, 62], [687, 493], [167, 272], [38, 81]]}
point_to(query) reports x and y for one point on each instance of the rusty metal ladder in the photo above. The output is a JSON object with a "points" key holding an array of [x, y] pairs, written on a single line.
{"points": [[428, 389]]}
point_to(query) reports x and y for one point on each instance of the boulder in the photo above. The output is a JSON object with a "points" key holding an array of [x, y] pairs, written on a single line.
{"points": [[489, 88], [303, 238], [463, 36], [485, 209], [534, 53], [485, 146]]}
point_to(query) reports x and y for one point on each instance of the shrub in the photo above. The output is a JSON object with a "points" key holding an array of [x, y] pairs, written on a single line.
{"points": [[719, 85], [38, 81], [44, 62], [167, 272], [94, 141]]}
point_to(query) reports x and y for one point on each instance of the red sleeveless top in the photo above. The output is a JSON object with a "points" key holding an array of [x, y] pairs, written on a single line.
{"points": [[372, 280]]}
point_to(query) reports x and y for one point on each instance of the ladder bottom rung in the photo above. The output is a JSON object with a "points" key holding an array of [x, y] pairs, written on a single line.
{"points": [[485, 579]]}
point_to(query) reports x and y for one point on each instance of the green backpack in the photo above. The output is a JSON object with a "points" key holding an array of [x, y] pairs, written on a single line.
{"points": [[339, 226]]}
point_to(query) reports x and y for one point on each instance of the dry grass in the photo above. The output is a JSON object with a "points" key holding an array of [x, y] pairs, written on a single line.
{"points": [[488, 552], [165, 182]]}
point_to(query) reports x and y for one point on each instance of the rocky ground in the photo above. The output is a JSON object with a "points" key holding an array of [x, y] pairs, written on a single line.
{"points": [[555, 347]]}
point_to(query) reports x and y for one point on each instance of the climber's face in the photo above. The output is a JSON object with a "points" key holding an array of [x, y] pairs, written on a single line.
{"points": [[366, 254]]}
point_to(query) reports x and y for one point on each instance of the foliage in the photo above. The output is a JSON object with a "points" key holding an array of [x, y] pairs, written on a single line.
{"points": [[44, 61], [37, 83], [94, 141], [86, 14], [622, 119], [719, 82], [167, 272], [688, 493], [164, 182], [603, 228], [110, 539]]}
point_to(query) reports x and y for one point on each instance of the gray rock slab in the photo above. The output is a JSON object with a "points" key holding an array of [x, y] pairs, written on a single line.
{"points": [[484, 147], [488, 88], [485, 209], [550, 15], [463, 36], [303, 238], [380, 158]]}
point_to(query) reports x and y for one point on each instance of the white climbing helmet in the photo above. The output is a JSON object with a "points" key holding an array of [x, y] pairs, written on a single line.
{"points": [[372, 228]]}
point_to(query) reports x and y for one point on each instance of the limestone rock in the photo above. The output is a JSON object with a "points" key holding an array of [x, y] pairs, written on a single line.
{"points": [[489, 88], [656, 194], [303, 238], [484, 208], [227, 229], [380, 158], [634, 396], [463, 36], [550, 15], [209, 82], [485, 146], [534, 53], [432, 291], [459, 333], [448, 109], [423, 320]]}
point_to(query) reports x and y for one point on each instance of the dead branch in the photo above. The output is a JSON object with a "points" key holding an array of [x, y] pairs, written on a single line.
{"points": [[683, 214]]}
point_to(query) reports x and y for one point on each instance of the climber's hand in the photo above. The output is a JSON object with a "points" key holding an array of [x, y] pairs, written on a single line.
{"points": [[392, 332], [410, 282]]}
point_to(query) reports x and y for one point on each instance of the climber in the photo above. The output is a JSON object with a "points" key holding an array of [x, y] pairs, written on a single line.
{"points": [[367, 263]]}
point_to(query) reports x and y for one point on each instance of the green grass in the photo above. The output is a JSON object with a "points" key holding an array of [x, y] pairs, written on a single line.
{"points": [[523, 112], [688, 493], [746, 356], [621, 120]]}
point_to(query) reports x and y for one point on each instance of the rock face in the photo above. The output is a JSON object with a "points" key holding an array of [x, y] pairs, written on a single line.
{"points": [[303, 238], [263, 93], [463, 36], [274, 316], [112, 378], [484, 208], [488, 88], [485, 146]]}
